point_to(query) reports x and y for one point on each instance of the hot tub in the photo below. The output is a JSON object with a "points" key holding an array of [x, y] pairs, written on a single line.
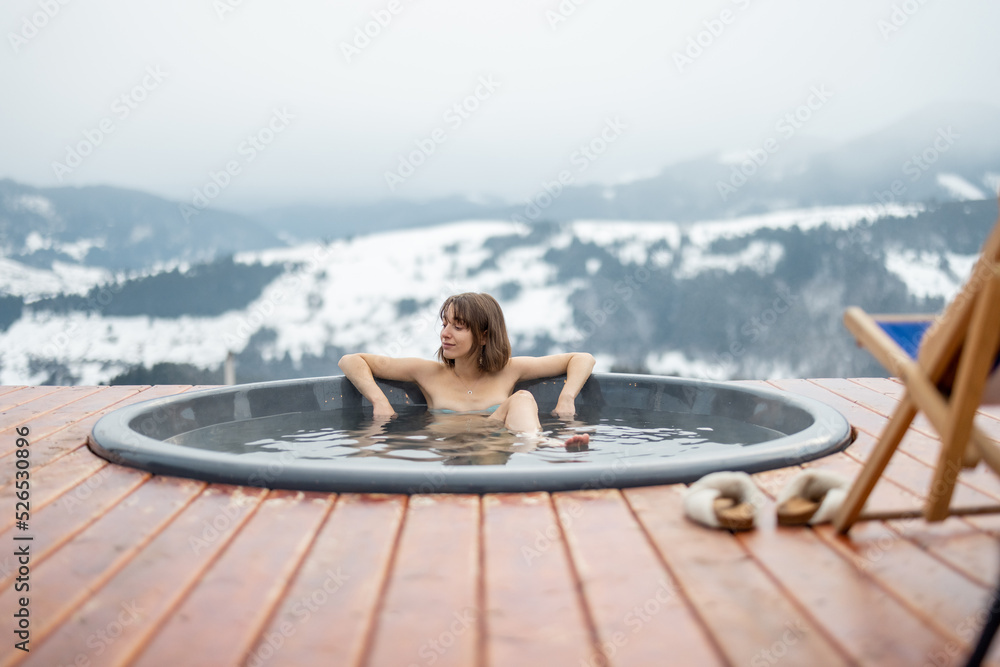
{"points": [[193, 434]]}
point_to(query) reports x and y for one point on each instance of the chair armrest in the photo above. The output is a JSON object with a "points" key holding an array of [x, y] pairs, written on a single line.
{"points": [[870, 335]]}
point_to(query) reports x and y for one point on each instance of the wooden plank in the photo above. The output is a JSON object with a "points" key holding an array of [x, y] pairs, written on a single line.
{"points": [[94, 555], [899, 490], [927, 582], [959, 564], [859, 416], [330, 607], [991, 410], [884, 385], [8, 388], [874, 400], [639, 611], [75, 428], [65, 472], [988, 418], [35, 410], [915, 446], [885, 403], [750, 618], [119, 617], [940, 595], [960, 542], [921, 443], [62, 417], [88, 400], [431, 610], [244, 584], [533, 607], [59, 521], [982, 479], [148, 589], [23, 396], [917, 477], [52, 481], [872, 627]]}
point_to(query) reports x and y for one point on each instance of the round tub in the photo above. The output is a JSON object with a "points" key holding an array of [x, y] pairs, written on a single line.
{"points": [[164, 435]]}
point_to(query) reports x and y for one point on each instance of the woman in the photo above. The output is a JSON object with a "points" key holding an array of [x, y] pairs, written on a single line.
{"points": [[475, 372]]}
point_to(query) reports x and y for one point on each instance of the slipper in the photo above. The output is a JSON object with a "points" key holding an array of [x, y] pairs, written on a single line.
{"points": [[812, 497], [728, 500]]}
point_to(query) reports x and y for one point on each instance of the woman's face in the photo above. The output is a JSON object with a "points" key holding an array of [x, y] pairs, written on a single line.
{"points": [[457, 340]]}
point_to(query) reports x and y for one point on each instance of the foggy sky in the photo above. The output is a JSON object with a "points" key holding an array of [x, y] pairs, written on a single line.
{"points": [[293, 101]]}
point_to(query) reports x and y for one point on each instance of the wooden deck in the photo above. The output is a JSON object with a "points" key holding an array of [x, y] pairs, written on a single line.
{"points": [[130, 568]]}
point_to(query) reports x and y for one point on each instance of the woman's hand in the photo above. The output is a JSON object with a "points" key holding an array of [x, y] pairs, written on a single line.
{"points": [[383, 410], [565, 407], [577, 367]]}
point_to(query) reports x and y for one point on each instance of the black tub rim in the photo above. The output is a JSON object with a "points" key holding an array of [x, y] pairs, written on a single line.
{"points": [[114, 438]]}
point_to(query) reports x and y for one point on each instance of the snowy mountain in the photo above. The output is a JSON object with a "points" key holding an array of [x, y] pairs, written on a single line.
{"points": [[730, 266], [113, 229], [749, 297]]}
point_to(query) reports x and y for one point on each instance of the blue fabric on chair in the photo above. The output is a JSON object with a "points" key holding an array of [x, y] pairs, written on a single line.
{"points": [[906, 334]]}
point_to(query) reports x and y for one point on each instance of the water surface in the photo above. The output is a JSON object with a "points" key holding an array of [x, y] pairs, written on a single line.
{"points": [[424, 438]]}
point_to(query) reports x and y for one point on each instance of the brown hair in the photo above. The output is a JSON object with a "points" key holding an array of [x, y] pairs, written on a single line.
{"points": [[482, 314]]}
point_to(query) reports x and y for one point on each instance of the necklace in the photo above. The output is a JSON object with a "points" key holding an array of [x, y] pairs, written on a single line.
{"points": [[463, 381]]}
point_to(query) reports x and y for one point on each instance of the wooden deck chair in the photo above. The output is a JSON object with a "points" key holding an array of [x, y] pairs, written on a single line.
{"points": [[944, 372]]}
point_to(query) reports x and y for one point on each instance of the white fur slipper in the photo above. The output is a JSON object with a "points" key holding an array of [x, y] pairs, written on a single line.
{"points": [[728, 500], [812, 497]]}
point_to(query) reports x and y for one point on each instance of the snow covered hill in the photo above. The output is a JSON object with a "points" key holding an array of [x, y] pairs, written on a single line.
{"points": [[756, 296]]}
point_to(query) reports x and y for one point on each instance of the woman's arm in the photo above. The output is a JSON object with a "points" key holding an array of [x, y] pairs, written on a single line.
{"points": [[362, 369], [577, 371], [575, 365]]}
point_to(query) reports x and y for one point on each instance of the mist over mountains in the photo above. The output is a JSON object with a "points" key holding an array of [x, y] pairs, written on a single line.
{"points": [[943, 153], [732, 266]]}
